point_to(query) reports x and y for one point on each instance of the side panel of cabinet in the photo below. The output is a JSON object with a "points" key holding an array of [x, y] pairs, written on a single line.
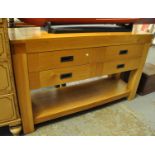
{"points": [[5, 78], [3, 53], [7, 108]]}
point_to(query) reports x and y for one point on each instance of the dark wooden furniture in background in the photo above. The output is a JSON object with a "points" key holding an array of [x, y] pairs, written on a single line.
{"points": [[147, 82]]}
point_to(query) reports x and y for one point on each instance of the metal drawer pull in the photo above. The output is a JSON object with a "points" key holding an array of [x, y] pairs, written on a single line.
{"points": [[121, 52], [67, 59], [120, 66], [66, 75]]}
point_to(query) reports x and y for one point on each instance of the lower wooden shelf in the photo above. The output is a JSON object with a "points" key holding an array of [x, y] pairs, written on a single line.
{"points": [[54, 103]]}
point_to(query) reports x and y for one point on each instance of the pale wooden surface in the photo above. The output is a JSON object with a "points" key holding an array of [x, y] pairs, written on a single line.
{"points": [[51, 104], [114, 52], [22, 83], [135, 75], [53, 77], [37, 54], [52, 60], [40, 41], [35, 33], [112, 67]]}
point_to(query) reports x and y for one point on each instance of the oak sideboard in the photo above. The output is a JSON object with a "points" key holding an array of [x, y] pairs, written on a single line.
{"points": [[43, 60]]}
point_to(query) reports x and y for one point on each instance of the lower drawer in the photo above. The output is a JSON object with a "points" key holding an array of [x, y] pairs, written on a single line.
{"points": [[7, 108], [59, 76], [120, 66]]}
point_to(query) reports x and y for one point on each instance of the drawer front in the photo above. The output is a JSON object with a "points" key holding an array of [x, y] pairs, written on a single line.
{"points": [[7, 108], [1, 20], [120, 66], [5, 80], [57, 59], [59, 76], [2, 45], [123, 52]]}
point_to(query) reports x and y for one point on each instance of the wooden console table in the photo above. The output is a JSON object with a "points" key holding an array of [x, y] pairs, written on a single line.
{"points": [[41, 60]]}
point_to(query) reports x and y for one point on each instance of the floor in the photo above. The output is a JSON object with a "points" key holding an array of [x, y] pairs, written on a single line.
{"points": [[141, 114], [144, 106]]}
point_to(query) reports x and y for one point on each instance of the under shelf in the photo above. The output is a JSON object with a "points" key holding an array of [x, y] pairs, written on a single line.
{"points": [[53, 103]]}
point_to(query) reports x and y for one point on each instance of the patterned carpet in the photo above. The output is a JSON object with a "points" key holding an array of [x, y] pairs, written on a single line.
{"points": [[112, 120]]}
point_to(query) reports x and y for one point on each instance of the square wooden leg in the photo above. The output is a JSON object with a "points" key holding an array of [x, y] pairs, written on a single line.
{"points": [[23, 90], [135, 75], [133, 83]]}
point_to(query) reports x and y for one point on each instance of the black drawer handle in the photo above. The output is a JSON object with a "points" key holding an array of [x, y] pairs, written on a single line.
{"points": [[65, 76], [67, 59], [122, 52], [120, 66]]}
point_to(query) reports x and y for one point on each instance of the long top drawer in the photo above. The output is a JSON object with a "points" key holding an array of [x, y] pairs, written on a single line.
{"points": [[68, 58]]}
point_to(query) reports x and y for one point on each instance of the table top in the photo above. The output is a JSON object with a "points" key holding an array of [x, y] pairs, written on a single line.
{"points": [[19, 35]]}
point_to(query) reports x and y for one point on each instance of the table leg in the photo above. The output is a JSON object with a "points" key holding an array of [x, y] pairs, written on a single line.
{"points": [[133, 82], [135, 75], [22, 85]]}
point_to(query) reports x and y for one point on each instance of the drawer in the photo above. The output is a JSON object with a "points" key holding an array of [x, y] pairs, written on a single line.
{"points": [[59, 76], [123, 52], [3, 53], [1, 20], [120, 66], [57, 59], [5, 80], [7, 108]]}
